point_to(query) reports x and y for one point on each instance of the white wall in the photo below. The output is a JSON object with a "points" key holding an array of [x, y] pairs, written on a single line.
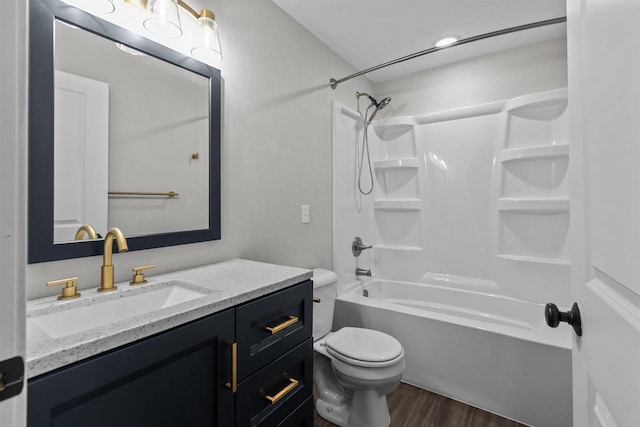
{"points": [[276, 151], [13, 155], [534, 68]]}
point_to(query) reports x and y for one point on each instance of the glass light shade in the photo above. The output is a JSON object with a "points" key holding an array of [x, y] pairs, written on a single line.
{"points": [[207, 41], [165, 21], [99, 7]]}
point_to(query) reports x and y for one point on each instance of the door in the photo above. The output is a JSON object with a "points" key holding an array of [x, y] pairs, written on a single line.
{"points": [[604, 95], [81, 155]]}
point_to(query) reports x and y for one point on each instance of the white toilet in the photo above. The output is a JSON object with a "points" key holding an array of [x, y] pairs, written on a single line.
{"points": [[353, 368]]}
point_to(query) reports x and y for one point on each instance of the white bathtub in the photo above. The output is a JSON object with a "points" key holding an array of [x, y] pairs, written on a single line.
{"points": [[489, 351]]}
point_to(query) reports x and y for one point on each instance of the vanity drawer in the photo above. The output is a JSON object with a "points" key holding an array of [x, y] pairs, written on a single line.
{"points": [[271, 394], [301, 417], [271, 326]]}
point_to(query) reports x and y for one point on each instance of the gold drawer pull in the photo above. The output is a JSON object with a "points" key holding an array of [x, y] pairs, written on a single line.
{"points": [[233, 385], [274, 330], [282, 393]]}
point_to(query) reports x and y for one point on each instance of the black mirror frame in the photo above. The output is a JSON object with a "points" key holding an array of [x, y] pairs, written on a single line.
{"points": [[41, 133]]}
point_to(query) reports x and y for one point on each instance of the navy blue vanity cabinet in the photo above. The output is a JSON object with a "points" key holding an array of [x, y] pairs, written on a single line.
{"points": [[301, 417], [176, 378], [268, 327], [274, 392], [275, 357], [184, 377]]}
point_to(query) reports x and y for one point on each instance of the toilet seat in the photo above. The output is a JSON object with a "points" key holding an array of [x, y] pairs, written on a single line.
{"points": [[364, 347]]}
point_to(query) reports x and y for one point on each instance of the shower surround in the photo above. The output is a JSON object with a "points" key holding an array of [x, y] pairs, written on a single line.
{"points": [[473, 205]]}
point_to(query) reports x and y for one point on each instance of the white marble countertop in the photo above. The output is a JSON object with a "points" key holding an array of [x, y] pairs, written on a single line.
{"points": [[225, 285]]}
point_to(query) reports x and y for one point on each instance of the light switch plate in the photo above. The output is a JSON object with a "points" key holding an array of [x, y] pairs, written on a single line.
{"points": [[305, 214]]}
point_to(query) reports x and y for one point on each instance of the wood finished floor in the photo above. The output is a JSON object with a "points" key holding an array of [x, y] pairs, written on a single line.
{"points": [[411, 406]]}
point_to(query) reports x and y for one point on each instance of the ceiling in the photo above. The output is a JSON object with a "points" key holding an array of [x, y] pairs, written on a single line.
{"points": [[370, 32]]}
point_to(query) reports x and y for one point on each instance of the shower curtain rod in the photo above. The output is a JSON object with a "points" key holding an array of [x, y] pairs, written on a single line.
{"points": [[334, 83]]}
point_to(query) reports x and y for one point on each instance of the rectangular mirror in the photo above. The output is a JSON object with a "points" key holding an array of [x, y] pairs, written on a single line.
{"points": [[123, 132]]}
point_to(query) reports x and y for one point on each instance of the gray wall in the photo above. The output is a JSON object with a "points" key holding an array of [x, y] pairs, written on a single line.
{"points": [[503, 75], [276, 152]]}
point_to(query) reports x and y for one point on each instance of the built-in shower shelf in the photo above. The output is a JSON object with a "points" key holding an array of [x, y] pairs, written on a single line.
{"points": [[533, 206], [398, 248], [395, 124], [535, 153], [544, 106], [398, 205], [406, 163], [539, 260]]}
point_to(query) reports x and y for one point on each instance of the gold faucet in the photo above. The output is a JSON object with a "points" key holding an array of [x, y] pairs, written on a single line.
{"points": [[106, 272], [86, 228]]}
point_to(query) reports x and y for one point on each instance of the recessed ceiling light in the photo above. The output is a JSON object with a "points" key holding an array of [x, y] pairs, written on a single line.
{"points": [[446, 41]]}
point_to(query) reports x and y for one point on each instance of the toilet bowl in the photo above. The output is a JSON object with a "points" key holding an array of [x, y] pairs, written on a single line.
{"points": [[354, 368]]}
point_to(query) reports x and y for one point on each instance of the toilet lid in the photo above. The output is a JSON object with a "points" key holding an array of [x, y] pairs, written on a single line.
{"points": [[363, 345]]}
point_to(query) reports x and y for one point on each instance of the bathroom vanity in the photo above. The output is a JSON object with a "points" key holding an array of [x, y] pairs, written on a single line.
{"points": [[236, 351]]}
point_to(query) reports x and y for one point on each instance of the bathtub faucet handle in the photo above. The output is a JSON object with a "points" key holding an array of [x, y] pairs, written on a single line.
{"points": [[357, 247], [363, 272]]}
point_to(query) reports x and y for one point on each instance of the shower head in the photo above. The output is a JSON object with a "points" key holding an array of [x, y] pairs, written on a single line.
{"points": [[371, 98], [379, 105], [383, 103]]}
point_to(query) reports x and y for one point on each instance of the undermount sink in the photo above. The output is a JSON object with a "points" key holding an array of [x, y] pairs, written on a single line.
{"points": [[85, 317]]}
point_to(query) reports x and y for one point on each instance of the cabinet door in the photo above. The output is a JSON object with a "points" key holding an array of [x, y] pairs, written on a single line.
{"points": [[176, 378], [272, 325]]}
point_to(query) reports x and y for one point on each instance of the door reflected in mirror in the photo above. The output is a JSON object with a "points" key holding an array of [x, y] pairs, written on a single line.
{"points": [[127, 128]]}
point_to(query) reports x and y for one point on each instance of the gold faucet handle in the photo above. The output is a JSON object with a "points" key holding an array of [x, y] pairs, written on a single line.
{"points": [[69, 291], [138, 275]]}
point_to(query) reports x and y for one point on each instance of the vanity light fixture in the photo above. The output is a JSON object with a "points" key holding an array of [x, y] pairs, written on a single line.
{"points": [[207, 43], [100, 7], [446, 41], [165, 22]]}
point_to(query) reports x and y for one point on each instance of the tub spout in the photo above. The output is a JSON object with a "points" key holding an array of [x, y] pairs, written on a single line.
{"points": [[363, 272]]}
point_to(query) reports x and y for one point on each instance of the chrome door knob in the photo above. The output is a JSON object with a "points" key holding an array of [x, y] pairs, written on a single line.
{"points": [[553, 316]]}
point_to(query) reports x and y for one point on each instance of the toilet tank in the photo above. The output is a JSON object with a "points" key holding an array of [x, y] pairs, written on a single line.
{"points": [[325, 286]]}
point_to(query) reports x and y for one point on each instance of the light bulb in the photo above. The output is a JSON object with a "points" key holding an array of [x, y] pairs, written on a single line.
{"points": [[446, 41]]}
